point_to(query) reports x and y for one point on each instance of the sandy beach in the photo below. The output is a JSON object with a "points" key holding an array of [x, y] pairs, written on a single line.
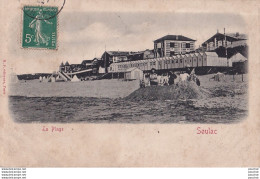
{"points": [[214, 102]]}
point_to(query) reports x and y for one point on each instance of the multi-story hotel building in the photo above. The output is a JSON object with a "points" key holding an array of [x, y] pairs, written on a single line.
{"points": [[171, 45]]}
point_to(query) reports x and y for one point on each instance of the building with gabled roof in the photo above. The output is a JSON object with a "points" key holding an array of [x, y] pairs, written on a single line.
{"points": [[67, 63], [229, 40], [238, 57], [171, 45]]}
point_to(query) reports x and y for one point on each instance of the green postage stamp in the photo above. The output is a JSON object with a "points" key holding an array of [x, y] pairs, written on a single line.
{"points": [[39, 27]]}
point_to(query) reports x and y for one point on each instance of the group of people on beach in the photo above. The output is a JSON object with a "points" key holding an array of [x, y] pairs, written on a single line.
{"points": [[168, 78]]}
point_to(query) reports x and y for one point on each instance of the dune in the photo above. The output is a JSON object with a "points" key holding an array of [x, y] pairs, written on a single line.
{"points": [[185, 90]]}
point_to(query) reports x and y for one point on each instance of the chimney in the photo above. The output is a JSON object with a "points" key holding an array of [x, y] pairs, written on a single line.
{"points": [[237, 34]]}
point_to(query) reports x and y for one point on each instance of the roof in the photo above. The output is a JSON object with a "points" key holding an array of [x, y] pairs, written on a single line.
{"points": [[196, 54], [118, 53], [148, 50], [230, 37], [211, 54], [61, 65], [238, 57], [96, 59], [75, 65], [174, 37], [237, 36], [133, 68], [86, 61], [67, 63]]}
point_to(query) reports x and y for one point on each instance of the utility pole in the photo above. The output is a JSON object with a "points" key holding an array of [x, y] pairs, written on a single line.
{"points": [[105, 63], [226, 46]]}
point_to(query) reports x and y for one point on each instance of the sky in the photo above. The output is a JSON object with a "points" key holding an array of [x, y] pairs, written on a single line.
{"points": [[92, 33], [85, 35]]}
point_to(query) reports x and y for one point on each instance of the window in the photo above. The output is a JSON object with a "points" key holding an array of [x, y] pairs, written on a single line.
{"points": [[187, 45], [151, 63], [172, 61], [180, 60], [172, 53], [171, 44], [176, 61]]}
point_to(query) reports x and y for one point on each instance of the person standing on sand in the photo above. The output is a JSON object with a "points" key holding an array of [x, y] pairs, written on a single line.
{"points": [[153, 77], [172, 77]]}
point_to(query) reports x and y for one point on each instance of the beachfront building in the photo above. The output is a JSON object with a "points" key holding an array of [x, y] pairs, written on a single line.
{"points": [[134, 73], [202, 60], [229, 40], [62, 67], [67, 67], [114, 56], [141, 55], [110, 57], [148, 54], [171, 45], [239, 63]]}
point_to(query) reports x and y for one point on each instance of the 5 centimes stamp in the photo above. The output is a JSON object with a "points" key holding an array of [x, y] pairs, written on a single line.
{"points": [[39, 27]]}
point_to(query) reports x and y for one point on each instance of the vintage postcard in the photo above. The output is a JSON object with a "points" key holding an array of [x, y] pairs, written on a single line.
{"points": [[130, 83]]}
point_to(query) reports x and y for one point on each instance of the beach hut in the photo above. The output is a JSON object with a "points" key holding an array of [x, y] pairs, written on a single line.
{"points": [[194, 60], [44, 79], [52, 79], [177, 60], [159, 62], [164, 63], [199, 59], [134, 74], [211, 59], [75, 79], [185, 60], [13, 78], [180, 61], [146, 65], [155, 63], [189, 60], [168, 62], [149, 64], [238, 57], [101, 70], [128, 64]]}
